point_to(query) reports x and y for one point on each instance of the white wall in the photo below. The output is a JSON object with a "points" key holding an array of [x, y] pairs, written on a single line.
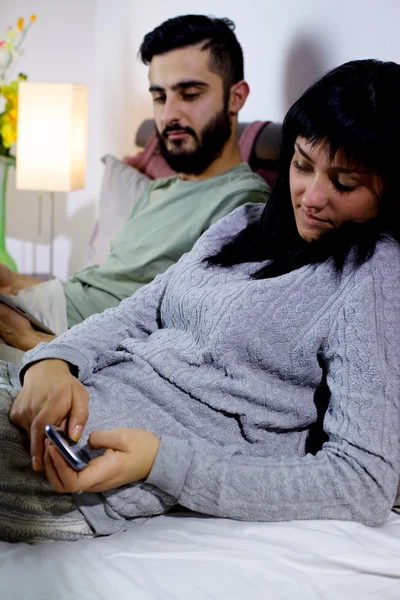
{"points": [[287, 45], [59, 47]]}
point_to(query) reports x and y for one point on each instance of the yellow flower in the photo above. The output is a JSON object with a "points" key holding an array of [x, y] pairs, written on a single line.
{"points": [[9, 92], [8, 134], [13, 116]]}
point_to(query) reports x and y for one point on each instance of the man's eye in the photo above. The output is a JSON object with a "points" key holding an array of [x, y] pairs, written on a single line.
{"points": [[159, 99], [191, 96]]}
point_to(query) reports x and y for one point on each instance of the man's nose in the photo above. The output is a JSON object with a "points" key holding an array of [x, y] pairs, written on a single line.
{"points": [[316, 195], [172, 111]]}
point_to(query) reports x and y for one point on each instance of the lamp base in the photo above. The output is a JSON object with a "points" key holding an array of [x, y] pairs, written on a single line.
{"points": [[6, 162]]}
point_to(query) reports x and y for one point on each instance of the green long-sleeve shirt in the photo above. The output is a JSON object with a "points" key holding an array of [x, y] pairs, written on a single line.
{"points": [[165, 222]]}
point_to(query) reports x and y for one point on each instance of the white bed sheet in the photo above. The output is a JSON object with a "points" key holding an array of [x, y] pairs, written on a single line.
{"points": [[193, 558]]}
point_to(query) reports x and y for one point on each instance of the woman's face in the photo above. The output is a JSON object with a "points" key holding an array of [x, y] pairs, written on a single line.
{"points": [[326, 193]]}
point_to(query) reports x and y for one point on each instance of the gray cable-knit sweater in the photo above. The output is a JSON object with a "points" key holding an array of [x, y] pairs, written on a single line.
{"points": [[233, 374]]}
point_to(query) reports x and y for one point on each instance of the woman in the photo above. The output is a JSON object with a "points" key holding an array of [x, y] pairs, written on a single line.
{"points": [[258, 378]]}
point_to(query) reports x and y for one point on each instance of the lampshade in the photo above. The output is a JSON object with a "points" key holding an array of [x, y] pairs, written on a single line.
{"points": [[52, 136]]}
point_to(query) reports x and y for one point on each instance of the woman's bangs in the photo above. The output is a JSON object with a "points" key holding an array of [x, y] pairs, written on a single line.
{"points": [[355, 143]]}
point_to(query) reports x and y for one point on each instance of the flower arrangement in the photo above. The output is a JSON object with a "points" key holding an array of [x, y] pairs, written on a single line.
{"points": [[10, 50]]}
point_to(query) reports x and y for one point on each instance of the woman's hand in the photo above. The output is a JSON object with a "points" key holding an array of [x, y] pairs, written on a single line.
{"points": [[129, 457], [51, 394]]}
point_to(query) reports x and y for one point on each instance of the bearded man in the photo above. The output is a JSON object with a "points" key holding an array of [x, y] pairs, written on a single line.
{"points": [[198, 88]]}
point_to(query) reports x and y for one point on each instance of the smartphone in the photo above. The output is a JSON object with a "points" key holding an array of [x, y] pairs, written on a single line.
{"points": [[67, 447], [15, 305]]}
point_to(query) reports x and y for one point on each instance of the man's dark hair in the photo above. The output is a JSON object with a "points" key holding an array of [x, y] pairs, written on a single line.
{"points": [[217, 36]]}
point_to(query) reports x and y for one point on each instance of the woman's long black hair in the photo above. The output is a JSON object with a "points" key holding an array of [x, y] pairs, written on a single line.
{"points": [[354, 109]]}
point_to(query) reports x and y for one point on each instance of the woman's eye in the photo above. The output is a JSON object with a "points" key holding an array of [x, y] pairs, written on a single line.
{"points": [[300, 167], [344, 189]]}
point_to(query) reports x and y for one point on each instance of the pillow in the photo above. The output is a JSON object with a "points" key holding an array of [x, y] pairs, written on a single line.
{"points": [[121, 187], [150, 161]]}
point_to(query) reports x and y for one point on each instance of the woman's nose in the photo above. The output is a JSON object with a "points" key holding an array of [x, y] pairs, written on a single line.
{"points": [[316, 195]]}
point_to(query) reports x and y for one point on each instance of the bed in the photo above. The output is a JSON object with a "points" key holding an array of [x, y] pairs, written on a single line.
{"points": [[189, 556], [186, 557]]}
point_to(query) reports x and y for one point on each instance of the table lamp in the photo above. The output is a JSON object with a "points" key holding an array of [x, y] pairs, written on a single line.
{"points": [[52, 139]]}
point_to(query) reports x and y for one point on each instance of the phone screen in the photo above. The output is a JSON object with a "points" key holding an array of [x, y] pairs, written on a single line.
{"points": [[67, 447]]}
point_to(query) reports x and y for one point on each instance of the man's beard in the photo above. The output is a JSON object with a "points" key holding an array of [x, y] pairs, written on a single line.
{"points": [[208, 147]]}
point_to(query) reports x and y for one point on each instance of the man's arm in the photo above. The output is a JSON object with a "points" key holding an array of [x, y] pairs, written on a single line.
{"points": [[15, 330], [83, 345], [11, 283], [18, 332]]}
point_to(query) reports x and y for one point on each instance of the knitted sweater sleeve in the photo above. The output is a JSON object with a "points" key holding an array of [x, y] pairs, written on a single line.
{"points": [[355, 475], [83, 345], [136, 317]]}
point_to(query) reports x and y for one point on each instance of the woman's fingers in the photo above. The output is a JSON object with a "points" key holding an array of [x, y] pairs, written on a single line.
{"points": [[102, 473], [129, 457], [117, 439], [51, 472], [98, 476], [20, 413], [135, 449], [79, 411], [51, 412], [69, 401], [51, 395]]}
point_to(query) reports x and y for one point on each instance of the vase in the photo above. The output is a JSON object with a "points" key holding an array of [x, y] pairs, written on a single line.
{"points": [[6, 162]]}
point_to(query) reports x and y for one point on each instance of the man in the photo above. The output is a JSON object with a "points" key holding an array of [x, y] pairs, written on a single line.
{"points": [[197, 86]]}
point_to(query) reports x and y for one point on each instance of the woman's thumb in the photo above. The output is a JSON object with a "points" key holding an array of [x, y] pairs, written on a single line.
{"points": [[107, 438]]}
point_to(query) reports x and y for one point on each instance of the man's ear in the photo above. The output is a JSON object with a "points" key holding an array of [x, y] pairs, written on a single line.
{"points": [[237, 96]]}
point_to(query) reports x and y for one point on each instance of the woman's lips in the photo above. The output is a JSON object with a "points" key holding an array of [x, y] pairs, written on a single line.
{"points": [[311, 219]]}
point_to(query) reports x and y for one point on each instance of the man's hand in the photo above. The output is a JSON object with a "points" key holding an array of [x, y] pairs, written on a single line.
{"points": [[129, 456], [51, 394], [15, 329], [18, 331], [11, 283], [6, 280]]}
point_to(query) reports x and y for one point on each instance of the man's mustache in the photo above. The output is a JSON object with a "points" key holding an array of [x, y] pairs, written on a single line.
{"points": [[173, 128]]}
